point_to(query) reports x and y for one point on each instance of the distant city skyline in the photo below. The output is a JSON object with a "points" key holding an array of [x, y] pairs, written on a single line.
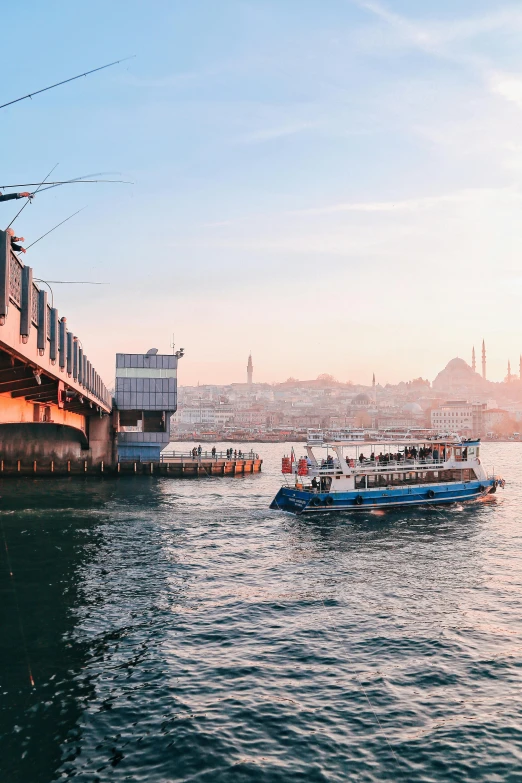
{"points": [[374, 380]]}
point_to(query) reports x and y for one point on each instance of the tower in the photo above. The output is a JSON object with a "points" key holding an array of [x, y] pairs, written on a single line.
{"points": [[250, 370], [473, 360], [483, 359], [374, 389], [520, 368], [509, 372]]}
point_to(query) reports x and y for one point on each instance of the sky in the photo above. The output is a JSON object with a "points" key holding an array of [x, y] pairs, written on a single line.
{"points": [[334, 186]]}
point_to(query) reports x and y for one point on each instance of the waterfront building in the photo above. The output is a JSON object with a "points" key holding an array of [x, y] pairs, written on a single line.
{"points": [[466, 418], [146, 397]]}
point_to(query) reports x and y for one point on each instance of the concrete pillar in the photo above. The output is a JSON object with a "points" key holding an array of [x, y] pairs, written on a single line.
{"points": [[5, 258], [62, 343], [80, 365], [42, 322], [26, 302], [69, 353], [75, 358], [53, 349], [101, 440]]}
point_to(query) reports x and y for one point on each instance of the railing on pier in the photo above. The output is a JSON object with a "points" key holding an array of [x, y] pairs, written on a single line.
{"points": [[175, 456]]}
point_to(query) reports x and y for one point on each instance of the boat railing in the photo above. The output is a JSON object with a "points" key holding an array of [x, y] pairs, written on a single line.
{"points": [[377, 466]]}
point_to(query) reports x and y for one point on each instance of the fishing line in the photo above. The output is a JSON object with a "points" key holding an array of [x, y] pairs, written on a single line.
{"points": [[79, 180], [55, 227], [22, 633], [26, 203]]}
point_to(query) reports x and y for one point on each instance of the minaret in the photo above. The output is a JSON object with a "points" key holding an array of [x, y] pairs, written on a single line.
{"points": [[520, 368], [473, 360], [509, 372], [483, 359], [250, 370], [374, 389]]}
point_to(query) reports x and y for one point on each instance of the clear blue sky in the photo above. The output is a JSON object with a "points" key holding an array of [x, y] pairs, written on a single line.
{"points": [[334, 185]]}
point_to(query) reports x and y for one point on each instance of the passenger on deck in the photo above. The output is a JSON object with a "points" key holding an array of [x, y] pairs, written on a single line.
{"points": [[362, 458]]}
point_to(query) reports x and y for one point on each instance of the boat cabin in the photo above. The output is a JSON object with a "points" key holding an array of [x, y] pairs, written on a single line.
{"points": [[353, 465]]}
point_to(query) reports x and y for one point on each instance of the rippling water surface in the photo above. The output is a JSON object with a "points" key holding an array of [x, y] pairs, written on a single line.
{"points": [[178, 630]]}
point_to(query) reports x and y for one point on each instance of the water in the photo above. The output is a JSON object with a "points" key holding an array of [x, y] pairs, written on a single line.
{"points": [[180, 631]]}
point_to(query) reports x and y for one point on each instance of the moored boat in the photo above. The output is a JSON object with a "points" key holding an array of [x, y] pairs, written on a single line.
{"points": [[355, 476]]}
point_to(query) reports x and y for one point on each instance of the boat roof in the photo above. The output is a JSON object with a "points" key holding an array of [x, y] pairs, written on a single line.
{"points": [[450, 441]]}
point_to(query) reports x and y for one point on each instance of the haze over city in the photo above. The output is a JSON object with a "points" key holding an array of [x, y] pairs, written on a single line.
{"points": [[334, 186]]}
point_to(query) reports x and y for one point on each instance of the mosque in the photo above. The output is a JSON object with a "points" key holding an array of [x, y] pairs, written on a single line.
{"points": [[459, 376]]}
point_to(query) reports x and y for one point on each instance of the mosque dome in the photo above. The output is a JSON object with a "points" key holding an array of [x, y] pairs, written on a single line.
{"points": [[455, 375], [362, 399]]}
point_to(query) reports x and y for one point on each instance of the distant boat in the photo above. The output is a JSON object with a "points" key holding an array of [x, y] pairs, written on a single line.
{"points": [[384, 474]]}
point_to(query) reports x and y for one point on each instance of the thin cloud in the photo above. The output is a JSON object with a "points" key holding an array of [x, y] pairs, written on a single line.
{"points": [[432, 36], [271, 134], [406, 205]]}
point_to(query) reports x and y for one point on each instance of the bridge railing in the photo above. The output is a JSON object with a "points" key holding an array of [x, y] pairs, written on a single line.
{"points": [[18, 290]]}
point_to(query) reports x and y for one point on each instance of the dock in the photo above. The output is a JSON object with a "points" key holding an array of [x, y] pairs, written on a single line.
{"points": [[170, 465]]}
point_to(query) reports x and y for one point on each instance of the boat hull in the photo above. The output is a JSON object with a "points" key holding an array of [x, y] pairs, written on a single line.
{"points": [[298, 501]]}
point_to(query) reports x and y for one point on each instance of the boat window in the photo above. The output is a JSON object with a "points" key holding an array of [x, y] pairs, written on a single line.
{"points": [[435, 474]]}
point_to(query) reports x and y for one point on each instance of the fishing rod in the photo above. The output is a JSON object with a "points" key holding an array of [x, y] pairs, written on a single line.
{"points": [[69, 282], [65, 81], [28, 200], [55, 227], [79, 180], [65, 182]]}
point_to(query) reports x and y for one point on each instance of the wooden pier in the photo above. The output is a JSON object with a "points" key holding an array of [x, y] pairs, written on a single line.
{"points": [[182, 467]]}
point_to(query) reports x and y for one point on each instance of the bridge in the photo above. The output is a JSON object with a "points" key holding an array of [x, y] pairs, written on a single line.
{"points": [[54, 407]]}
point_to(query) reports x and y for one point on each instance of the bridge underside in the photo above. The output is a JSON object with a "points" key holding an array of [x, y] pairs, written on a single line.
{"points": [[42, 418], [27, 393]]}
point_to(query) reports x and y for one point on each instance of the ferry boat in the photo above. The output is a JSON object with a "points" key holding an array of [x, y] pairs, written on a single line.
{"points": [[357, 476]]}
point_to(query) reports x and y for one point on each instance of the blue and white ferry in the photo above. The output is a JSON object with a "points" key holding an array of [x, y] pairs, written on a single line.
{"points": [[354, 475]]}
